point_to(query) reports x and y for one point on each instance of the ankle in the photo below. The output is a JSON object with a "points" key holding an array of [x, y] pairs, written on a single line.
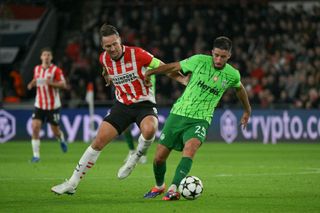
{"points": [[172, 188]]}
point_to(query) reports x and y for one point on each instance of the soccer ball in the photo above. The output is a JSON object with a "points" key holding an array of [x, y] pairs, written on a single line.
{"points": [[191, 187]]}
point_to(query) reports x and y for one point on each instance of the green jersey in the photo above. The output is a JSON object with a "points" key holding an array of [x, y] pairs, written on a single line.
{"points": [[205, 88]]}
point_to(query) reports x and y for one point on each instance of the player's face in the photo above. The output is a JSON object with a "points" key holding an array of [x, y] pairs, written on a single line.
{"points": [[220, 57], [112, 44], [46, 57]]}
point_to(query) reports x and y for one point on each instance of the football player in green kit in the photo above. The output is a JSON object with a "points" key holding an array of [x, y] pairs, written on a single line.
{"points": [[186, 127]]}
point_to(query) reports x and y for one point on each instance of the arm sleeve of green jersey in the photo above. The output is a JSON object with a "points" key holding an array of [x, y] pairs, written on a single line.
{"points": [[189, 64], [237, 81], [155, 63]]}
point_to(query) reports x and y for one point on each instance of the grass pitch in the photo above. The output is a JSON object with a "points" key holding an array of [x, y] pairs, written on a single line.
{"points": [[239, 177]]}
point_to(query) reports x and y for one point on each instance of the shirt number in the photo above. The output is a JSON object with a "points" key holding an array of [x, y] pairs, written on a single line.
{"points": [[200, 131]]}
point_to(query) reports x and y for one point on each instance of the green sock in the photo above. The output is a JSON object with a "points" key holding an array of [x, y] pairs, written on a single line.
{"points": [[159, 172], [182, 170], [129, 139]]}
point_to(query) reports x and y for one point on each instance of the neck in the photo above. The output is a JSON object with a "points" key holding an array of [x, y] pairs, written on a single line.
{"points": [[45, 65]]}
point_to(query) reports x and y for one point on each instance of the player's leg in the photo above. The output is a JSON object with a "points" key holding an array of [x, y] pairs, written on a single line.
{"points": [[183, 168], [159, 170], [148, 127], [105, 134], [193, 136], [169, 137], [54, 120], [37, 120], [185, 163], [129, 140], [60, 137], [35, 141], [112, 126]]}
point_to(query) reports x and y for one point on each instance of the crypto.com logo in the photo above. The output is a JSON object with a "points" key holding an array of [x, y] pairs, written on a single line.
{"points": [[228, 126], [7, 126]]}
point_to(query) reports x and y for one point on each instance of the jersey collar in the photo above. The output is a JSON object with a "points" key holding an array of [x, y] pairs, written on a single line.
{"points": [[123, 51]]}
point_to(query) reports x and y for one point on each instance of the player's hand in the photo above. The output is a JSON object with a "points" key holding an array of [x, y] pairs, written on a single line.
{"points": [[186, 79], [106, 77], [244, 120], [48, 82], [29, 86], [147, 80]]}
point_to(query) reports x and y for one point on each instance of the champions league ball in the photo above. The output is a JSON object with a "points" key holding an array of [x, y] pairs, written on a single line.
{"points": [[191, 187]]}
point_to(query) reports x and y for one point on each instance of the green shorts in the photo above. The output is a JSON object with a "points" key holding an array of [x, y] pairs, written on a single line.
{"points": [[179, 129]]}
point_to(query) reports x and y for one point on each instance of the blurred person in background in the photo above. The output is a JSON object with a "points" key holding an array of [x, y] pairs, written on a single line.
{"points": [[48, 80]]}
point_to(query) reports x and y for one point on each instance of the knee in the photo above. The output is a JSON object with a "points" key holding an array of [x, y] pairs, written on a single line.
{"points": [[159, 160], [191, 148], [36, 129], [56, 132], [98, 144], [148, 132]]}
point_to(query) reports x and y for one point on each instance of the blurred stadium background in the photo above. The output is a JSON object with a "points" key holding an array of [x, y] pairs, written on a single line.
{"points": [[276, 49]]}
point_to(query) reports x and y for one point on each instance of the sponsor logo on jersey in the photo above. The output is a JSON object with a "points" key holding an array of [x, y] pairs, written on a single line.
{"points": [[128, 65], [162, 136], [224, 83], [123, 79], [205, 88]]}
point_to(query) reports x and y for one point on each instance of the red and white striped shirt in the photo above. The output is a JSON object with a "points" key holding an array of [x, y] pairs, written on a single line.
{"points": [[127, 75], [47, 97]]}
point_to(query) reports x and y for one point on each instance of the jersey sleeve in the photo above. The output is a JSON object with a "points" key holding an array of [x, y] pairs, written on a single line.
{"points": [[155, 63], [58, 75], [144, 57], [237, 79], [189, 64], [101, 60]]}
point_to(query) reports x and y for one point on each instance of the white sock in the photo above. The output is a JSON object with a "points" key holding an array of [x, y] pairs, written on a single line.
{"points": [[87, 161], [160, 187], [36, 147], [173, 187], [143, 145]]}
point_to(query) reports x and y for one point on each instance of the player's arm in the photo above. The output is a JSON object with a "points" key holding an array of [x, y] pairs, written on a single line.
{"points": [[184, 80], [59, 84], [164, 69], [58, 81], [106, 76], [155, 63], [243, 97], [32, 84]]}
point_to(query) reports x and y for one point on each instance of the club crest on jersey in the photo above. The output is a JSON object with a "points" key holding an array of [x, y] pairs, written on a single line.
{"points": [[215, 78], [128, 65], [224, 83]]}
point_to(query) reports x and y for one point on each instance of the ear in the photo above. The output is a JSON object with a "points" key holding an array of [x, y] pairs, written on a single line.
{"points": [[229, 56]]}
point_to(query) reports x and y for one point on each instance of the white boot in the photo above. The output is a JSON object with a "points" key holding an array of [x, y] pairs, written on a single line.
{"points": [[128, 167]]}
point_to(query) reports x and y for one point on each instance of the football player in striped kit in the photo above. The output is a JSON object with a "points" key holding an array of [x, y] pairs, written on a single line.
{"points": [[124, 66], [48, 80]]}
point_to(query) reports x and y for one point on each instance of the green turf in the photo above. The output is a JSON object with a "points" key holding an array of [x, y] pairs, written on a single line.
{"points": [[237, 178]]}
